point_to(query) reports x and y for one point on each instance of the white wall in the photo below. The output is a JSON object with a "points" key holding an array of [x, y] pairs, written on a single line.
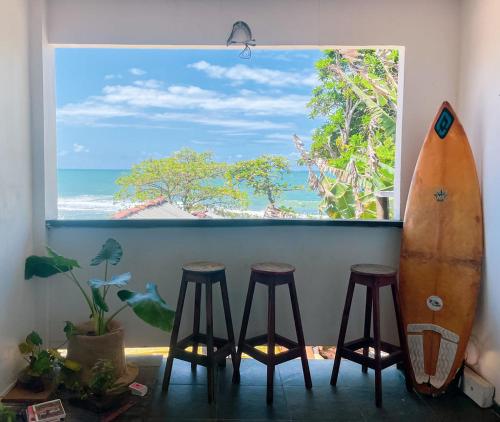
{"points": [[429, 32], [479, 108], [17, 298]]}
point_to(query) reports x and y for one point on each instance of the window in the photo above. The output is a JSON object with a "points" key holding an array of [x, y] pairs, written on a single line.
{"points": [[201, 133]]}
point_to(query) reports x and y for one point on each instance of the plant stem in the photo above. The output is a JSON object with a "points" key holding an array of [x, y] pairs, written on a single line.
{"points": [[74, 279], [116, 313]]}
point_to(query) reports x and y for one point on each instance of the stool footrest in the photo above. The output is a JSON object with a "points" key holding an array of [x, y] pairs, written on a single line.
{"points": [[223, 346], [280, 341], [294, 350], [349, 351], [199, 339]]}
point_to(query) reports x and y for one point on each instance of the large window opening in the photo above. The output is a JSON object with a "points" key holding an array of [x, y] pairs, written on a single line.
{"points": [[201, 133]]}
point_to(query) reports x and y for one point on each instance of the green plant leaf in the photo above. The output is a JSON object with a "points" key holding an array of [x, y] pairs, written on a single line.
{"points": [[25, 348], [99, 300], [150, 307], [34, 338], [117, 280], [111, 251], [42, 364], [72, 365], [46, 266], [70, 329]]}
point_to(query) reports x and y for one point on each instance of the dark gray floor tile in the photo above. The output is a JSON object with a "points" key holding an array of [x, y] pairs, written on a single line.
{"points": [[456, 406], [244, 402], [182, 374], [182, 402], [252, 373], [291, 372], [321, 404]]}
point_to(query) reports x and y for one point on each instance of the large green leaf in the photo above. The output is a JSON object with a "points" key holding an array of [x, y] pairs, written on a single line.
{"points": [[42, 364], [150, 307], [46, 266], [117, 280], [70, 329], [99, 300], [111, 251], [34, 338]]}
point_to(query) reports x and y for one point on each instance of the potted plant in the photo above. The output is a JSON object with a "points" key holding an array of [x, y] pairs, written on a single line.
{"points": [[42, 363], [102, 336], [6, 415], [103, 392]]}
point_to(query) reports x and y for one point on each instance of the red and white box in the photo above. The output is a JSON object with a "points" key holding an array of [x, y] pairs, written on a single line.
{"points": [[138, 389]]}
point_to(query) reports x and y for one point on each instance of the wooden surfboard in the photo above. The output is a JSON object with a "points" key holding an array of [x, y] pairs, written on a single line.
{"points": [[441, 255]]}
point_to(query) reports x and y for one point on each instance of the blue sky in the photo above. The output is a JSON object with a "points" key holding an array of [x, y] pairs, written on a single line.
{"points": [[117, 107]]}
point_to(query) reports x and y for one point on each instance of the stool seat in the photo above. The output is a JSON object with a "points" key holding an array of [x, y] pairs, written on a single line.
{"points": [[373, 270], [204, 267], [273, 268]]}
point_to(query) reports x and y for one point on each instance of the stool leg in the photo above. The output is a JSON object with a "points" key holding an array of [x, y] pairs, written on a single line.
{"points": [[196, 321], [271, 341], [401, 333], [175, 334], [227, 316], [210, 344], [377, 347], [300, 333], [343, 330], [368, 322], [243, 331]]}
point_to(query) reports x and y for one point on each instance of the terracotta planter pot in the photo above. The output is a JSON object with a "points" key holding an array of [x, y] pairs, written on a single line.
{"points": [[87, 349]]}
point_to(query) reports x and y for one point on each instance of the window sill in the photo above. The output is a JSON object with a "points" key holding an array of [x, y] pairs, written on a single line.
{"points": [[218, 223]]}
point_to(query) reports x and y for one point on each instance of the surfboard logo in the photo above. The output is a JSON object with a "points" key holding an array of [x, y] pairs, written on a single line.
{"points": [[444, 123], [434, 303], [440, 195]]}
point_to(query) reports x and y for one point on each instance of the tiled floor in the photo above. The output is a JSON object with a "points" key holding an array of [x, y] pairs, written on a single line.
{"points": [[351, 400]]}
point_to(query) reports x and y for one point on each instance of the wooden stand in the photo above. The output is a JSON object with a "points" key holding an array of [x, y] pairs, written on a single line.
{"points": [[373, 277], [201, 273], [272, 275]]}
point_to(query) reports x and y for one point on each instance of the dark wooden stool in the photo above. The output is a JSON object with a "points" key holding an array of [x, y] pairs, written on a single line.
{"points": [[373, 277], [207, 273], [272, 274]]}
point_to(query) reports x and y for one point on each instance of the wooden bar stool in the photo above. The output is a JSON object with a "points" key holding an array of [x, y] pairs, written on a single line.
{"points": [[272, 274], [373, 277], [201, 273]]}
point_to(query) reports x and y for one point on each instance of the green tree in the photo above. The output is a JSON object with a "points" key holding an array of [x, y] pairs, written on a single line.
{"points": [[265, 176], [353, 152], [187, 178]]}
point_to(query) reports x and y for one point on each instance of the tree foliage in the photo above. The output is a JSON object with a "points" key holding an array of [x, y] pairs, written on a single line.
{"points": [[265, 176], [187, 178], [353, 152]]}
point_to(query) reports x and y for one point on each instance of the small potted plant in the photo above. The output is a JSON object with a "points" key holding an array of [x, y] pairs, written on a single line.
{"points": [[7, 415], [102, 336], [42, 364], [103, 391]]}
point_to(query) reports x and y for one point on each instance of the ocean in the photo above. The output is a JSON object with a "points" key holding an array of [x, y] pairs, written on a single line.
{"points": [[89, 194]]}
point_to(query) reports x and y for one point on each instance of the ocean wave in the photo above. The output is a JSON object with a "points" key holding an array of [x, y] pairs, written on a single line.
{"points": [[89, 206]]}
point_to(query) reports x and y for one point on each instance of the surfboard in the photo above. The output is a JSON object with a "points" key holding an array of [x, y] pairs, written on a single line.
{"points": [[441, 255]]}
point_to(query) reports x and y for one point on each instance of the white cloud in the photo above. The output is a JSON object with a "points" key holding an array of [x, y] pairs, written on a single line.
{"points": [[150, 83], [193, 97], [80, 148], [221, 122], [136, 71], [184, 103], [242, 73], [113, 76]]}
